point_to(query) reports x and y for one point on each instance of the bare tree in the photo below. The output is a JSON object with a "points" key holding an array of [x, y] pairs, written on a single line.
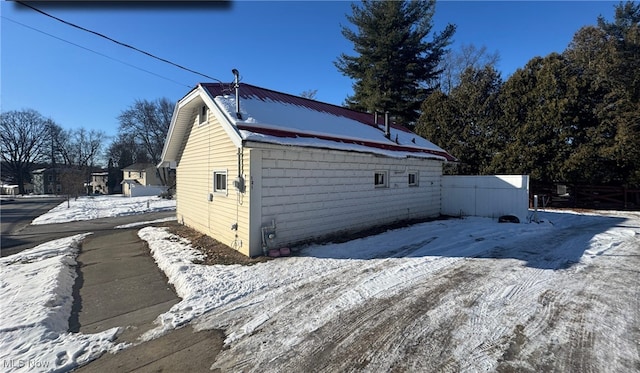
{"points": [[87, 146], [72, 182], [123, 152], [78, 153], [23, 139], [455, 62], [310, 94], [147, 123]]}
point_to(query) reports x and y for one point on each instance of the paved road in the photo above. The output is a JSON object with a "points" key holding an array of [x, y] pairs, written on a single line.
{"points": [[18, 235], [17, 213]]}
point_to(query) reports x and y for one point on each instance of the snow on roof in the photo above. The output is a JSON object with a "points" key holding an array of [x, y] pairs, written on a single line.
{"points": [[278, 118]]}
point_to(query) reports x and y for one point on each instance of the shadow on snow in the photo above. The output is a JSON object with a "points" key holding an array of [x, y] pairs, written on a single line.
{"points": [[558, 242]]}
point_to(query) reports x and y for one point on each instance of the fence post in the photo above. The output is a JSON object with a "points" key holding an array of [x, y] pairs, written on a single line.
{"points": [[624, 191]]}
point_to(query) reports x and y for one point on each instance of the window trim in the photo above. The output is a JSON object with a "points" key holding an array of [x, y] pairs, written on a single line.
{"points": [[416, 181], [385, 179], [216, 188], [203, 114]]}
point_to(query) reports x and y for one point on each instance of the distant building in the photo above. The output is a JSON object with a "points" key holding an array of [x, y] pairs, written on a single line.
{"points": [[46, 181], [13, 189], [141, 179], [99, 183]]}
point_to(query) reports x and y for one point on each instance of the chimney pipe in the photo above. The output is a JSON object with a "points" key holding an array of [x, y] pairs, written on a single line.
{"points": [[387, 133], [236, 85], [375, 118]]}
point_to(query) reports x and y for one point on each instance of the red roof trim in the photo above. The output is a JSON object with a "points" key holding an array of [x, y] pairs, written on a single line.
{"points": [[291, 134]]}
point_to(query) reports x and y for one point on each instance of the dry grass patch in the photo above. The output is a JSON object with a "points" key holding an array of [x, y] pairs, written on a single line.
{"points": [[215, 251]]}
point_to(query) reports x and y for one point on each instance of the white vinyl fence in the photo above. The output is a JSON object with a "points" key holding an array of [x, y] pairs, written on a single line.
{"points": [[147, 190], [488, 196]]}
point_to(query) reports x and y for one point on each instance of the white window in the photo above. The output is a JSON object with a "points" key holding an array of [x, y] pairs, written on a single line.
{"points": [[203, 114], [220, 182], [380, 179], [413, 178]]}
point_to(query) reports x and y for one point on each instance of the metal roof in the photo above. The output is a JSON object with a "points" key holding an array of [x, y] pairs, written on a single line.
{"points": [[249, 91]]}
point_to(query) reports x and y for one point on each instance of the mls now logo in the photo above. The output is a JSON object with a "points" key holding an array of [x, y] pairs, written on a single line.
{"points": [[13, 364]]}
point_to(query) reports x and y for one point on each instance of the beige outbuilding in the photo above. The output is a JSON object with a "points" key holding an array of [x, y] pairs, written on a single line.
{"points": [[259, 170]]}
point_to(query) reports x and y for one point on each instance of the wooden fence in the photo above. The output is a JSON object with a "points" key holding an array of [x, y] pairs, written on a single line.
{"points": [[585, 196]]}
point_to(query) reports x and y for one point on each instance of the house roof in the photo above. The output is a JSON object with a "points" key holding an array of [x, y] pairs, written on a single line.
{"points": [[138, 167], [269, 116], [131, 183]]}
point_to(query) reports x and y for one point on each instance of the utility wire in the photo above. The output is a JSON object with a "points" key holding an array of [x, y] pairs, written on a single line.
{"points": [[98, 53], [119, 42]]}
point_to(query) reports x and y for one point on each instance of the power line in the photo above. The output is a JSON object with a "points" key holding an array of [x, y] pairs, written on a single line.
{"points": [[119, 42], [93, 51]]}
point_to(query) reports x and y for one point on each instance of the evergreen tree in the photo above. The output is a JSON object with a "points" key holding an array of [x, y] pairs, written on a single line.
{"points": [[588, 53], [477, 99], [438, 123], [622, 110], [607, 59], [572, 117], [465, 122], [539, 106], [395, 67]]}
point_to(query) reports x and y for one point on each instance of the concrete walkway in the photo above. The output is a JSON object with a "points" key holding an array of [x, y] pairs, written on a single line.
{"points": [[120, 285]]}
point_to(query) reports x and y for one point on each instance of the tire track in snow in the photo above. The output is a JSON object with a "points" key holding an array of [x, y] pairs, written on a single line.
{"points": [[384, 333], [482, 314], [307, 314]]}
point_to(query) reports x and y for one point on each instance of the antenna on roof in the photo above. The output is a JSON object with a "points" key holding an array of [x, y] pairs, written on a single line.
{"points": [[236, 85]]}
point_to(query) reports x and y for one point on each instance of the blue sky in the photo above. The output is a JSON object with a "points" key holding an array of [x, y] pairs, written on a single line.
{"points": [[285, 46]]}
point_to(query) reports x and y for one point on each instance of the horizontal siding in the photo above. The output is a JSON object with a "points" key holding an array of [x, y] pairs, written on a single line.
{"points": [[233, 207], [192, 180], [312, 193], [207, 149]]}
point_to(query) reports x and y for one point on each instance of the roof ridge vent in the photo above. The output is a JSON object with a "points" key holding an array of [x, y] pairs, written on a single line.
{"points": [[236, 85]]}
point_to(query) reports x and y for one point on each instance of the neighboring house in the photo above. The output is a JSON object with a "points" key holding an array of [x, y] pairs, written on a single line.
{"points": [[14, 189], [283, 169], [99, 182], [141, 179], [46, 181]]}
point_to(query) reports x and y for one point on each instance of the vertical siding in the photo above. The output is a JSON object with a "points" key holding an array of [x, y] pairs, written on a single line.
{"points": [[207, 149], [313, 192]]}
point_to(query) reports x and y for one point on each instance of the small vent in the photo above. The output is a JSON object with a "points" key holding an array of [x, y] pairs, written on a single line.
{"points": [[387, 132]]}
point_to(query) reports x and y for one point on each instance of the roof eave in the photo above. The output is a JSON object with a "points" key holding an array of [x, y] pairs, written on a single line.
{"points": [[179, 122]]}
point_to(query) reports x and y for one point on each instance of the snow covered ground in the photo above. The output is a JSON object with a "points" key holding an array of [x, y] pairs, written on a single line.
{"points": [[95, 207], [36, 291], [455, 295]]}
